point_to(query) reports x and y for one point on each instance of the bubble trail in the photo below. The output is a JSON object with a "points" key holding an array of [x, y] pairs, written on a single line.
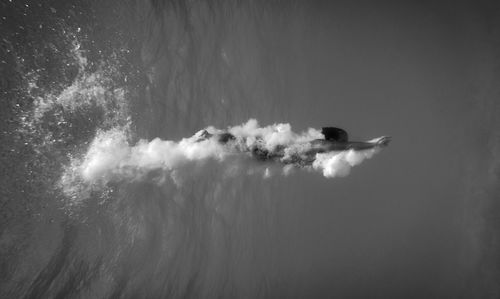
{"points": [[111, 157]]}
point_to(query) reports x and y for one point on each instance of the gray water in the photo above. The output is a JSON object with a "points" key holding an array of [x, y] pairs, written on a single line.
{"points": [[417, 221]]}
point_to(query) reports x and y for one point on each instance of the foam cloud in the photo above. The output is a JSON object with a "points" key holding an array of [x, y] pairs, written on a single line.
{"points": [[339, 164]]}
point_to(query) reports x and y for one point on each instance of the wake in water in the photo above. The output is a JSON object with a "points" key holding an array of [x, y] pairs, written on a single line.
{"points": [[110, 157]]}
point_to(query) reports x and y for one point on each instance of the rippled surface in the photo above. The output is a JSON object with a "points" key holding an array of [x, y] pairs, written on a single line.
{"points": [[417, 221]]}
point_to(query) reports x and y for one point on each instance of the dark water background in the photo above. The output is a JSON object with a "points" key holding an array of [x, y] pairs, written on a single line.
{"points": [[420, 220]]}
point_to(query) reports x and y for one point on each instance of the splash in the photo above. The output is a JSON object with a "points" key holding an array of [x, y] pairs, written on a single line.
{"points": [[111, 157], [63, 116], [93, 91]]}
